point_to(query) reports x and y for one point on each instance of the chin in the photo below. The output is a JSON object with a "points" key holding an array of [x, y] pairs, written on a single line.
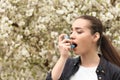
{"points": [[77, 52]]}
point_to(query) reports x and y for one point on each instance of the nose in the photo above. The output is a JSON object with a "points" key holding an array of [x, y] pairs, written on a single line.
{"points": [[72, 36]]}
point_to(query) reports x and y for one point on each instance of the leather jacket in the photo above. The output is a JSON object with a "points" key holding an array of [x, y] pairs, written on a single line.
{"points": [[105, 70]]}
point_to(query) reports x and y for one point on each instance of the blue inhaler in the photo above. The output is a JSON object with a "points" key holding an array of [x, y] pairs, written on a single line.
{"points": [[72, 45]]}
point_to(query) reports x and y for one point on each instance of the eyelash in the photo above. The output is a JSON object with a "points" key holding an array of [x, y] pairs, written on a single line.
{"points": [[79, 32]]}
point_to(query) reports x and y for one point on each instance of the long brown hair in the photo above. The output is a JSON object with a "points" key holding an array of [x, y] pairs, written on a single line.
{"points": [[107, 49]]}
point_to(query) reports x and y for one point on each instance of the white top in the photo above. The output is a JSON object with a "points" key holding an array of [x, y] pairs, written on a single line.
{"points": [[85, 73]]}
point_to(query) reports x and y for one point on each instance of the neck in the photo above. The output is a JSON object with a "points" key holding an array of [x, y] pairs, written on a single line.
{"points": [[90, 59]]}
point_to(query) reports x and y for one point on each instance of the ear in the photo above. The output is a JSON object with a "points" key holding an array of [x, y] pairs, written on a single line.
{"points": [[96, 36]]}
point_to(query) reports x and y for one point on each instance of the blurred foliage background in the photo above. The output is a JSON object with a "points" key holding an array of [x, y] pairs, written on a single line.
{"points": [[29, 31]]}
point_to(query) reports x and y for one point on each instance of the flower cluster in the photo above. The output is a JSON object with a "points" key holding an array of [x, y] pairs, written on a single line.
{"points": [[29, 31]]}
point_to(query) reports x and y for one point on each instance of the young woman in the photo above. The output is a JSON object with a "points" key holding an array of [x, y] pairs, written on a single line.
{"points": [[98, 59]]}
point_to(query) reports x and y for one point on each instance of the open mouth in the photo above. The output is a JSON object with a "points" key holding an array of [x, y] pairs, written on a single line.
{"points": [[74, 45]]}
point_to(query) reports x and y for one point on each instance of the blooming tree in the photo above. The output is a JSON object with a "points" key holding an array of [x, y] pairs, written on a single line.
{"points": [[29, 31]]}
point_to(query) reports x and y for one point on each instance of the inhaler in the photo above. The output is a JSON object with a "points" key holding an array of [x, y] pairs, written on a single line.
{"points": [[72, 45]]}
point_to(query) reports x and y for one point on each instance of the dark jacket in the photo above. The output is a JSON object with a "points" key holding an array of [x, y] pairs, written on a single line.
{"points": [[105, 70]]}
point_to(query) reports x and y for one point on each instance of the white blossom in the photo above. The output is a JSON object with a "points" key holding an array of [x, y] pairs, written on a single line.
{"points": [[26, 58], [54, 34], [26, 32], [21, 23], [60, 12], [41, 42], [29, 12], [94, 13], [109, 15], [2, 10], [43, 52], [24, 52], [19, 37], [40, 27]]}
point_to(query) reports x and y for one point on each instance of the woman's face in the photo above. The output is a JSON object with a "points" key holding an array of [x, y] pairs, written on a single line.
{"points": [[81, 35]]}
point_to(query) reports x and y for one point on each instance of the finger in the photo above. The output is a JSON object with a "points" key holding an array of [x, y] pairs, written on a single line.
{"points": [[68, 48], [66, 41], [67, 44], [61, 37], [64, 44]]}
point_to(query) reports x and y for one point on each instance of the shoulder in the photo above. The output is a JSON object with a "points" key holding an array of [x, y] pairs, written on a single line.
{"points": [[114, 68], [111, 70], [104, 63], [108, 65], [114, 71]]}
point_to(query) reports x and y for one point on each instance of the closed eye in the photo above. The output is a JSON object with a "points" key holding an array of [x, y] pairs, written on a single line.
{"points": [[79, 32]]}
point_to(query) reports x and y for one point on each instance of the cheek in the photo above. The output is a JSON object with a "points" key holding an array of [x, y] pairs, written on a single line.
{"points": [[85, 39], [85, 42], [83, 47]]}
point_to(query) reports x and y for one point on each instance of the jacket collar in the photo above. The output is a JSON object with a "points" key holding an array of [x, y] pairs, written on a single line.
{"points": [[101, 67]]}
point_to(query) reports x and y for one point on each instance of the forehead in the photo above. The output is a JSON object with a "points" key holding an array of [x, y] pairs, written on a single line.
{"points": [[81, 23]]}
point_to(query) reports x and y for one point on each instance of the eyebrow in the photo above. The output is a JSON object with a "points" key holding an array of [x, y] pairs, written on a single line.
{"points": [[77, 28]]}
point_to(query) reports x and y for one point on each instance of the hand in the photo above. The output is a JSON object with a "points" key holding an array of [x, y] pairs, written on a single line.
{"points": [[64, 46]]}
